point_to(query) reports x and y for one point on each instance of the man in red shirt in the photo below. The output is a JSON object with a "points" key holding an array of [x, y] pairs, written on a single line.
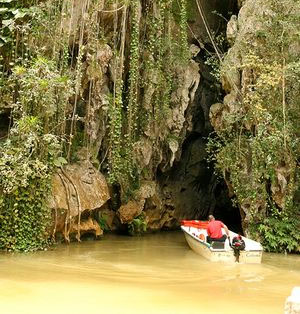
{"points": [[214, 230]]}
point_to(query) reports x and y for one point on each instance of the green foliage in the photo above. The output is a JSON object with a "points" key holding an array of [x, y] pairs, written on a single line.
{"points": [[138, 225], [133, 75], [102, 221], [41, 91], [26, 164], [279, 234], [212, 59], [183, 30], [154, 53], [116, 165], [214, 63], [12, 16], [190, 11], [122, 164], [43, 82], [257, 147], [76, 144], [38, 95]]}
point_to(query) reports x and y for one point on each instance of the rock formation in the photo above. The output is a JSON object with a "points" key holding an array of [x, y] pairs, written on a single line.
{"points": [[176, 183], [77, 192]]}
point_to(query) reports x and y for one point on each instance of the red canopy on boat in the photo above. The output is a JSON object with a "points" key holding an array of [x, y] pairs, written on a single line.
{"points": [[195, 223]]}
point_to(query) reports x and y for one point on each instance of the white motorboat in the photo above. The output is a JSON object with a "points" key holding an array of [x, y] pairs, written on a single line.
{"points": [[195, 233]]}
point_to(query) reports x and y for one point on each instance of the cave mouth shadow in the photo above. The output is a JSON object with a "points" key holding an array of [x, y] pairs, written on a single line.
{"points": [[230, 216], [5, 122], [225, 210]]}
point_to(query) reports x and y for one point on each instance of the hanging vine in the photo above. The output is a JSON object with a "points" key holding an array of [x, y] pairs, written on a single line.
{"points": [[154, 73], [134, 74], [116, 164], [46, 47], [183, 31], [36, 92]]}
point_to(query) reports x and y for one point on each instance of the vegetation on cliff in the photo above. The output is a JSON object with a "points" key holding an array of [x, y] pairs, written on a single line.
{"points": [[35, 94], [54, 59], [256, 147], [106, 81]]}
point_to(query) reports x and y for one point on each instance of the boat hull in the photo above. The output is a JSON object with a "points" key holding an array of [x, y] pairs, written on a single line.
{"points": [[226, 255]]}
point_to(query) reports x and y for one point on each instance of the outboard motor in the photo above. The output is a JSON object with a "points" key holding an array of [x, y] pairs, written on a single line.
{"points": [[238, 244]]}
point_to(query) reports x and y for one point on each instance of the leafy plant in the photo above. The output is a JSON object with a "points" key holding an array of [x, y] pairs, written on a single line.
{"points": [[102, 221], [279, 234], [30, 154], [26, 164], [44, 83], [138, 225], [257, 147]]}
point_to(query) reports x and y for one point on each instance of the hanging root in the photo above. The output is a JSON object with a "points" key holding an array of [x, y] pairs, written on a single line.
{"points": [[78, 203], [68, 213], [55, 226]]}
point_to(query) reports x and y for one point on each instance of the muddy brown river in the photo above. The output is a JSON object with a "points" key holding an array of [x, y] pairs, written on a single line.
{"points": [[156, 273]]}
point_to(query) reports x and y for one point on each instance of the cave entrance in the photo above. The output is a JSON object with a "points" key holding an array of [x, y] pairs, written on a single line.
{"points": [[191, 184], [231, 217], [225, 210], [5, 121]]}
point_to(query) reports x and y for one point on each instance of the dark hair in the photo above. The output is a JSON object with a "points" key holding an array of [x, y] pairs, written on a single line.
{"points": [[211, 217]]}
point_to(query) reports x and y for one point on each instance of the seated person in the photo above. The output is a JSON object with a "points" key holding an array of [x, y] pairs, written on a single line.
{"points": [[214, 230]]}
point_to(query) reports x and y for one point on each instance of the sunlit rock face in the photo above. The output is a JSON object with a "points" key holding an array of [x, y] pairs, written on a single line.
{"points": [[76, 192], [130, 210], [242, 35]]}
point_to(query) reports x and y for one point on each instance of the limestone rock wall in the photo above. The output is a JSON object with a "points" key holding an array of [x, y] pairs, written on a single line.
{"points": [[175, 183]]}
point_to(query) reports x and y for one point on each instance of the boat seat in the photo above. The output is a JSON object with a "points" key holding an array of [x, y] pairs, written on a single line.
{"points": [[217, 245]]}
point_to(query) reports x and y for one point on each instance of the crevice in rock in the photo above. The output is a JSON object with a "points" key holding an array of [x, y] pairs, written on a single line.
{"points": [[5, 122]]}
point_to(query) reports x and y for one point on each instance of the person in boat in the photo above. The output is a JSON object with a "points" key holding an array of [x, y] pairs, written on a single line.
{"points": [[214, 230]]}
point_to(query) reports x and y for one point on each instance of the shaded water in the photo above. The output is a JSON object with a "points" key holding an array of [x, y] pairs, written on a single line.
{"points": [[151, 274]]}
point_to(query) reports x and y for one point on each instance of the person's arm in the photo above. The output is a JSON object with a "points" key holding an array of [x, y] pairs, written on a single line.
{"points": [[227, 233], [208, 232], [226, 230]]}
